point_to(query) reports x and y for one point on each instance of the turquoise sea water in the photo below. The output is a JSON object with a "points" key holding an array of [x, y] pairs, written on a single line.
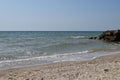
{"points": [[26, 48]]}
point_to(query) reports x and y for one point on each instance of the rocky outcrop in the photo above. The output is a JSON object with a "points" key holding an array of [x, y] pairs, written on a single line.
{"points": [[109, 36]]}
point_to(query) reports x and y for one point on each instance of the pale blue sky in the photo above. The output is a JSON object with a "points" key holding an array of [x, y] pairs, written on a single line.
{"points": [[54, 15]]}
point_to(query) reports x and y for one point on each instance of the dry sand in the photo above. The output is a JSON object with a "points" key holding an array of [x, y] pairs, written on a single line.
{"points": [[102, 68]]}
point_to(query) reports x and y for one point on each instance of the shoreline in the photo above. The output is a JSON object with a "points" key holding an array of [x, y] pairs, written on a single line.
{"points": [[44, 60], [101, 68]]}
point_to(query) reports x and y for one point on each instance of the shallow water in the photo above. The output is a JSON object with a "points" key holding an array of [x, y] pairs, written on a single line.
{"points": [[41, 47]]}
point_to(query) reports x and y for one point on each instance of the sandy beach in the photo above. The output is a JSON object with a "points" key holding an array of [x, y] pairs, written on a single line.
{"points": [[102, 68], [59, 39]]}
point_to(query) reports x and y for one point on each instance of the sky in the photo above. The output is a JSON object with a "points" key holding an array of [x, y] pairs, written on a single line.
{"points": [[59, 15]]}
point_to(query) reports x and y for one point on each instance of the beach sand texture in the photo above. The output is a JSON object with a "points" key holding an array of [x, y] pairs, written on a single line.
{"points": [[102, 68]]}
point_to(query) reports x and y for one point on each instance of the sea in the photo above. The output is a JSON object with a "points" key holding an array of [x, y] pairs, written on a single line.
{"points": [[29, 48]]}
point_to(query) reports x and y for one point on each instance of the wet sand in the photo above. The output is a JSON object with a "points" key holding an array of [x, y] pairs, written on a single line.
{"points": [[102, 68]]}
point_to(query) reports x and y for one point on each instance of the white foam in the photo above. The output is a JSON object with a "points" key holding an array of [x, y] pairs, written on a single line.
{"points": [[78, 37], [45, 57], [84, 55]]}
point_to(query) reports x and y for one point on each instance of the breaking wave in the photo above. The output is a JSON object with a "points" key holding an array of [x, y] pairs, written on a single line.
{"points": [[42, 59], [78, 37]]}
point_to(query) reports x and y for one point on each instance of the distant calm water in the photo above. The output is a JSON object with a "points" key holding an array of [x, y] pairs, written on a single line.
{"points": [[25, 48]]}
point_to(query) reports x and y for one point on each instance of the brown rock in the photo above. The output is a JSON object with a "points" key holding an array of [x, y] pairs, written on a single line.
{"points": [[110, 36]]}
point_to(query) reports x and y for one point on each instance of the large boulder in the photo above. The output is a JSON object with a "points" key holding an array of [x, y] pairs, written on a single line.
{"points": [[110, 36]]}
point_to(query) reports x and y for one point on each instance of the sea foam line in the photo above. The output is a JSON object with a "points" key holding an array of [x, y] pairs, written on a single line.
{"points": [[79, 37], [45, 57]]}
